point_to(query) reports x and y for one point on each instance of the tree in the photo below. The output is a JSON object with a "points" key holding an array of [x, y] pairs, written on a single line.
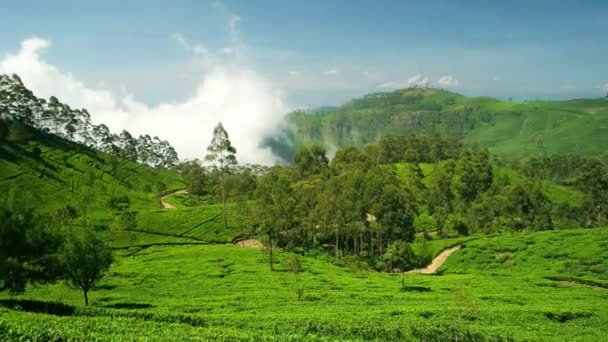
{"points": [[223, 155], [275, 205], [195, 176], [127, 221], [440, 196], [294, 265], [86, 259], [423, 253], [311, 160], [29, 249], [401, 255]]}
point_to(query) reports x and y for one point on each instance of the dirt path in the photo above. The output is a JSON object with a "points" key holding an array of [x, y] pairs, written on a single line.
{"points": [[168, 205], [249, 243], [438, 261]]}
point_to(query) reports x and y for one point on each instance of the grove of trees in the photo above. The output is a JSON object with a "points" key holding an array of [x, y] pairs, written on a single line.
{"points": [[367, 202]]}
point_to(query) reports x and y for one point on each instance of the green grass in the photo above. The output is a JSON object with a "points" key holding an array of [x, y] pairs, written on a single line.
{"points": [[580, 253], [227, 292]]}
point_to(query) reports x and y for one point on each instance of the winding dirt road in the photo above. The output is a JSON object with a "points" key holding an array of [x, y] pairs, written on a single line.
{"points": [[168, 205], [250, 243], [437, 262]]}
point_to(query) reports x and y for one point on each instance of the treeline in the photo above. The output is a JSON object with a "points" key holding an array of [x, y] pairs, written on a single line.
{"points": [[587, 174], [204, 181], [17, 103], [371, 202]]}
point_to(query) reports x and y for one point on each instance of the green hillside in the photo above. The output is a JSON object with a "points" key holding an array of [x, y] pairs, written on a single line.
{"points": [[497, 289], [49, 173], [52, 172], [576, 255], [514, 129]]}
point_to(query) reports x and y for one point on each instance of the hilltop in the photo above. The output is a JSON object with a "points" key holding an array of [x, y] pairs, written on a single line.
{"points": [[507, 128]]}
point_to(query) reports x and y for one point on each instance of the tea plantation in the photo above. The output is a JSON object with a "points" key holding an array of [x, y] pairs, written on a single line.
{"points": [[507, 287]]}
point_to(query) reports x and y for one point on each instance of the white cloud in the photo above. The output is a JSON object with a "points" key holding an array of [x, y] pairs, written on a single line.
{"points": [[448, 81], [495, 78], [294, 73], [248, 104], [417, 80], [330, 72], [605, 87]]}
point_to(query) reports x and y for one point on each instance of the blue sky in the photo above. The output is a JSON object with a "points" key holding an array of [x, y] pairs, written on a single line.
{"points": [[525, 49]]}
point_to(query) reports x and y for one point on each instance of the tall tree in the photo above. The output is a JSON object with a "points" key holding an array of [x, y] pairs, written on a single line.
{"points": [[223, 155]]}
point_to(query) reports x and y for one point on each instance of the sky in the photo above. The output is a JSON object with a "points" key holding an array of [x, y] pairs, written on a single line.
{"points": [[176, 68]]}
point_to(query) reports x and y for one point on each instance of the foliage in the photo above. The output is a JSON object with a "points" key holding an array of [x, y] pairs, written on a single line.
{"points": [[86, 259], [29, 249]]}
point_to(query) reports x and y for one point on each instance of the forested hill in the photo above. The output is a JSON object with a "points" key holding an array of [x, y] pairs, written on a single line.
{"points": [[17, 103], [506, 128]]}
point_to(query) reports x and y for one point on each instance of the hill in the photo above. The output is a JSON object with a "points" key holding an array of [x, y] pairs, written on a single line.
{"points": [[51, 172], [222, 292], [44, 171], [506, 128]]}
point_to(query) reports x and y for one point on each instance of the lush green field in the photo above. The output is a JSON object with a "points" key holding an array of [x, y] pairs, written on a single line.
{"points": [[514, 129], [228, 293]]}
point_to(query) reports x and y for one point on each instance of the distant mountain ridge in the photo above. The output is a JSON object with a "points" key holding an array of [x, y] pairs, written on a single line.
{"points": [[17, 103], [505, 128]]}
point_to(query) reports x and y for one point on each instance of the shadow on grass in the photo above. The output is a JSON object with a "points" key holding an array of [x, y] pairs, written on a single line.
{"points": [[51, 308], [415, 288], [129, 306]]}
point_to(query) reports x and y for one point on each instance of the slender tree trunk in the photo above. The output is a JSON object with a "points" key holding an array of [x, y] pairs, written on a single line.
{"points": [[371, 243], [271, 259], [224, 201], [337, 243], [223, 189], [86, 297], [403, 280]]}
